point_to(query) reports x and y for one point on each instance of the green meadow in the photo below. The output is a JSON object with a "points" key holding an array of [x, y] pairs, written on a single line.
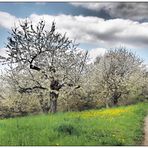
{"points": [[114, 126]]}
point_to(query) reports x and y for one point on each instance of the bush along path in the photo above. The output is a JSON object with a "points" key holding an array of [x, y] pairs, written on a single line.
{"points": [[146, 131]]}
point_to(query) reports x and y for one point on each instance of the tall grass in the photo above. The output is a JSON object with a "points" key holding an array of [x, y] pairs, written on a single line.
{"points": [[116, 126]]}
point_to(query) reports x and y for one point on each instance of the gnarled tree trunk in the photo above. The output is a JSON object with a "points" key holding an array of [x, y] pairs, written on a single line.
{"points": [[115, 101], [107, 102], [54, 93], [115, 98], [53, 101]]}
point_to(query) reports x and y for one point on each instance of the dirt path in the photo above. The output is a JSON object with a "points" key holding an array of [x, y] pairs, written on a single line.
{"points": [[146, 132]]}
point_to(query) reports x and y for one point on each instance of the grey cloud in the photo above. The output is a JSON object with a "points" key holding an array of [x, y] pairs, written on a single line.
{"points": [[127, 10], [93, 30]]}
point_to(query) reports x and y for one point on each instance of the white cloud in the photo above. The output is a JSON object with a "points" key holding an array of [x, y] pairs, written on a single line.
{"points": [[92, 30], [7, 20], [3, 52], [93, 53]]}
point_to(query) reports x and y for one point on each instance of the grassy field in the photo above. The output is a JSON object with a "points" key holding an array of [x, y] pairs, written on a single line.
{"points": [[116, 126]]}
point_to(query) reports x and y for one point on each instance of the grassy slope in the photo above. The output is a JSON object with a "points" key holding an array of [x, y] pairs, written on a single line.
{"points": [[116, 126]]}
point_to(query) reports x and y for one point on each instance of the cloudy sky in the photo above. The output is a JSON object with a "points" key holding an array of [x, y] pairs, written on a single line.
{"points": [[96, 26]]}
